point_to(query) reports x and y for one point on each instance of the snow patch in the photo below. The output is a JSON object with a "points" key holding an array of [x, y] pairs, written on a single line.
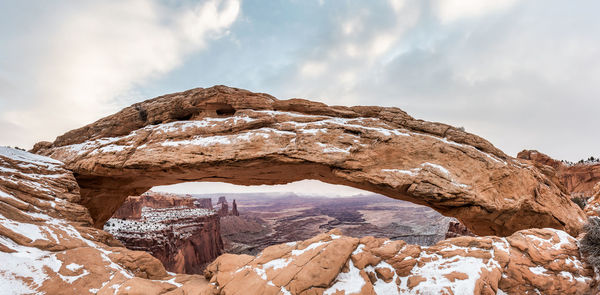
{"points": [[277, 263], [73, 267], [539, 270], [310, 247], [350, 282]]}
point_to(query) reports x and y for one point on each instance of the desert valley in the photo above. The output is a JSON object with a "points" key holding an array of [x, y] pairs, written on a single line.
{"points": [[447, 212]]}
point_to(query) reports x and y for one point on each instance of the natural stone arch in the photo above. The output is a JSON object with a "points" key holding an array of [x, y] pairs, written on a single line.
{"points": [[236, 136]]}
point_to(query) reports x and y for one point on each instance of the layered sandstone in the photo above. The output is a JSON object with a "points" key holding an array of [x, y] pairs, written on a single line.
{"points": [[47, 244], [132, 207], [536, 261], [577, 179], [236, 136], [182, 232]]}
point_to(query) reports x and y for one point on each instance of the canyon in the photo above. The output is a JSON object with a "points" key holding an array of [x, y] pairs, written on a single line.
{"points": [[185, 239], [270, 219], [55, 200], [182, 232]]}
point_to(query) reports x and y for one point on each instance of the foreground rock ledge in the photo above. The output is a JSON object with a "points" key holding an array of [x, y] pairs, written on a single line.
{"points": [[47, 246], [536, 261], [236, 136]]}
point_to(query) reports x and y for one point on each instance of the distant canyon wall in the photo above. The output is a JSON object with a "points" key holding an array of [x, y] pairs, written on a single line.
{"points": [[576, 179], [182, 232]]}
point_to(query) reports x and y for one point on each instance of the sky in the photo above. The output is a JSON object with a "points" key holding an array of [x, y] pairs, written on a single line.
{"points": [[522, 74]]}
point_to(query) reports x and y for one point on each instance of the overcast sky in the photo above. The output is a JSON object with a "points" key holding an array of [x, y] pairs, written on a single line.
{"points": [[522, 74]]}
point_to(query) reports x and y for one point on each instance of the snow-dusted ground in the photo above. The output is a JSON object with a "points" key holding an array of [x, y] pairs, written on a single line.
{"points": [[155, 221], [26, 266]]}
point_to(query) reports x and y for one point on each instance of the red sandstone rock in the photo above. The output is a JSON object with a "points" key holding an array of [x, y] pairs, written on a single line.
{"points": [[132, 207], [177, 230], [542, 261], [236, 136], [577, 179], [457, 229], [48, 246], [580, 180]]}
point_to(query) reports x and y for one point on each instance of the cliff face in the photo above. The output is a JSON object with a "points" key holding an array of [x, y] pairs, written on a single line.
{"points": [[576, 179], [132, 207], [177, 230]]}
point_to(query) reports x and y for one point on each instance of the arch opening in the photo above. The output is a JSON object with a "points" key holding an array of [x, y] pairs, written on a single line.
{"points": [[187, 225]]}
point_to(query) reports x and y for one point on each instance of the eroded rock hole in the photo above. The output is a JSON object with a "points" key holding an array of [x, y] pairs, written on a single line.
{"points": [[186, 226], [220, 109]]}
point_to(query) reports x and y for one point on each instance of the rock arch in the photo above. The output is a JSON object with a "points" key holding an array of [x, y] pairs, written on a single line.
{"points": [[236, 136]]}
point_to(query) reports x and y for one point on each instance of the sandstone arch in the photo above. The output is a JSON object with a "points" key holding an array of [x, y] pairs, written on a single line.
{"points": [[236, 136]]}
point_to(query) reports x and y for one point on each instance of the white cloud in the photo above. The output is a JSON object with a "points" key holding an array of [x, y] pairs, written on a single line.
{"points": [[511, 71], [356, 46], [452, 10], [312, 69], [96, 51]]}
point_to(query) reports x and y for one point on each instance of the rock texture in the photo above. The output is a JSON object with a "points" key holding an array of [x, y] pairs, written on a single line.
{"points": [[593, 203], [47, 244], [536, 261], [132, 207], [236, 136], [576, 179], [457, 229], [179, 231]]}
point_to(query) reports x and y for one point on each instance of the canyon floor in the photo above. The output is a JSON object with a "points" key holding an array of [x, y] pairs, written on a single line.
{"points": [[274, 218]]}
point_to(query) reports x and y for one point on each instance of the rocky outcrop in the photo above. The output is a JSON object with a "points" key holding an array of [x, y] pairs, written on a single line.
{"points": [[536, 261], [47, 244], [576, 179], [132, 207], [222, 207], [457, 229], [592, 207], [175, 229], [234, 209], [236, 136]]}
